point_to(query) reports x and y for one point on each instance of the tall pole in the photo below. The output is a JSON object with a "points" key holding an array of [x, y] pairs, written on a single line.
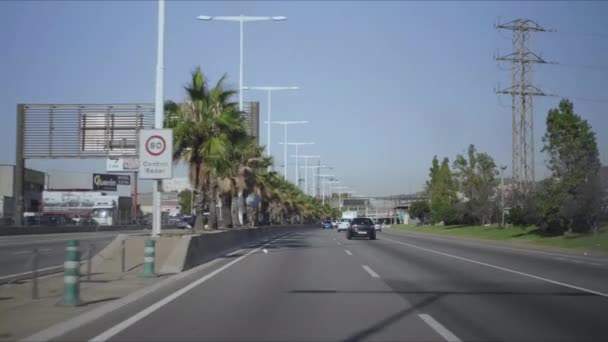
{"points": [[158, 112], [323, 191], [297, 180], [305, 176], [268, 135], [285, 152], [502, 195], [241, 68]]}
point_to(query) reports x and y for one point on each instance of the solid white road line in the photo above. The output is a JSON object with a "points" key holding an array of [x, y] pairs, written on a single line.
{"points": [[21, 252], [348, 252], [440, 329], [106, 335], [603, 294], [370, 271]]}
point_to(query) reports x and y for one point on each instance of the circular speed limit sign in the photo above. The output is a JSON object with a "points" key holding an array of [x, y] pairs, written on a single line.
{"points": [[156, 145]]}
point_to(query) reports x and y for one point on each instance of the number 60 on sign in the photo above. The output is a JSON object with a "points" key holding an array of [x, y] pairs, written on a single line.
{"points": [[155, 154]]}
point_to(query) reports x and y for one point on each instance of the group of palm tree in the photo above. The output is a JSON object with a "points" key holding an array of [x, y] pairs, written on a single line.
{"points": [[226, 167]]}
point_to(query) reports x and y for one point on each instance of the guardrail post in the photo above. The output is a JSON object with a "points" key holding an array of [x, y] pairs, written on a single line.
{"points": [[149, 252], [122, 256], [71, 285], [35, 274]]}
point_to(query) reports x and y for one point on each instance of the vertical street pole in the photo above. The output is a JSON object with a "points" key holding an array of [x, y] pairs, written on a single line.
{"points": [[285, 152], [158, 113], [19, 171], [297, 180], [268, 135], [306, 176], [502, 195], [241, 67], [323, 192]]}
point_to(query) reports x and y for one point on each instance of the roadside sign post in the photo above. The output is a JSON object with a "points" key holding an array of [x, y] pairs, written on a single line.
{"points": [[156, 163]]}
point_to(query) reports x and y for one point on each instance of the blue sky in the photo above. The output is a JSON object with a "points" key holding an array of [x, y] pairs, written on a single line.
{"points": [[385, 85]]}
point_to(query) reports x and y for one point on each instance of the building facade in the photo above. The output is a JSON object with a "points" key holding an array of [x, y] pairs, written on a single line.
{"points": [[252, 119], [32, 190]]}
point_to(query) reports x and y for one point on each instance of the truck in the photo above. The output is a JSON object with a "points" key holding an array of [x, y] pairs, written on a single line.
{"points": [[104, 209], [349, 214]]}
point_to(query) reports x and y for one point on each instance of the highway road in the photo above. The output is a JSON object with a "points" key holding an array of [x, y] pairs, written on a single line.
{"points": [[16, 251], [316, 285]]}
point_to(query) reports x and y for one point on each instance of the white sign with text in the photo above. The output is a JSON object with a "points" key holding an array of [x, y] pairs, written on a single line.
{"points": [[155, 154]]}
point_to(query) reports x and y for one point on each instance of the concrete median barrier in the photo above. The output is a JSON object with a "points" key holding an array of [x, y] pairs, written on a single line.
{"points": [[175, 254]]}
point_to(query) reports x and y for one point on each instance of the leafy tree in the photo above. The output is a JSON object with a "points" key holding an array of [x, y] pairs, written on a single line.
{"points": [[185, 201], [420, 210], [571, 199], [441, 189], [477, 177]]}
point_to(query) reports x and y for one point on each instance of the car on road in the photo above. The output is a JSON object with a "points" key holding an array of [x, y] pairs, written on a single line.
{"points": [[378, 225], [343, 224], [186, 222], [361, 227], [327, 224]]}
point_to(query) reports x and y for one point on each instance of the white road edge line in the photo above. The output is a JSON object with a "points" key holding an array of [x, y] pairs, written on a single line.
{"points": [[440, 329], [348, 252], [106, 335], [505, 269], [370, 271], [21, 252]]}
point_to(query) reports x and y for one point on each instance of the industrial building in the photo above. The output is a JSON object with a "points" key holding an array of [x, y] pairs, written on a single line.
{"points": [[32, 190]]}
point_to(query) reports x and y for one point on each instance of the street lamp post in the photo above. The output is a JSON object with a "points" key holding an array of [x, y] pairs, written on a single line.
{"points": [[330, 189], [314, 178], [329, 177], [269, 89], [241, 19], [305, 169], [285, 123], [340, 194], [159, 111], [297, 145]]}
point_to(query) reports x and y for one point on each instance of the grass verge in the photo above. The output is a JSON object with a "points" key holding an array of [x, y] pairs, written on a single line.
{"points": [[521, 235]]}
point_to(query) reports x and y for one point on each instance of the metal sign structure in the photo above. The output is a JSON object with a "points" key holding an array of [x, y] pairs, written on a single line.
{"points": [[156, 154], [75, 131], [83, 131]]}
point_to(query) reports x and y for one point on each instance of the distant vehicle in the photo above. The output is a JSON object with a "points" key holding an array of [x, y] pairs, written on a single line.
{"points": [[377, 225], [55, 220], [361, 227], [349, 214], [186, 222], [334, 223], [327, 224], [343, 224]]}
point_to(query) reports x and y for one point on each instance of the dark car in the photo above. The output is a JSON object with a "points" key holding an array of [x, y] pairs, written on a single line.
{"points": [[361, 227], [327, 224], [186, 222]]}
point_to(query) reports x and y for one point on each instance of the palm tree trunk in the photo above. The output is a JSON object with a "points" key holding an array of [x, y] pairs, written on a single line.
{"points": [[265, 212], [199, 202], [235, 211], [226, 221], [211, 204]]}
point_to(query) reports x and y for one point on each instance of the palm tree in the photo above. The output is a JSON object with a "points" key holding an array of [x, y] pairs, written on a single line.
{"points": [[205, 126]]}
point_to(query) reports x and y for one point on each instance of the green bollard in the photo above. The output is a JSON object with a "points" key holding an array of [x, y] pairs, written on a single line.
{"points": [[71, 284], [149, 259]]}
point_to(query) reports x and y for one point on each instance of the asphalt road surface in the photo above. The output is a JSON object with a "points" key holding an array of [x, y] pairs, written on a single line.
{"points": [[316, 285], [16, 251]]}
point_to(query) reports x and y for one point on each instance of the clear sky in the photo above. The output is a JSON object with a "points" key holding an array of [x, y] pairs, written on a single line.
{"points": [[385, 85]]}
